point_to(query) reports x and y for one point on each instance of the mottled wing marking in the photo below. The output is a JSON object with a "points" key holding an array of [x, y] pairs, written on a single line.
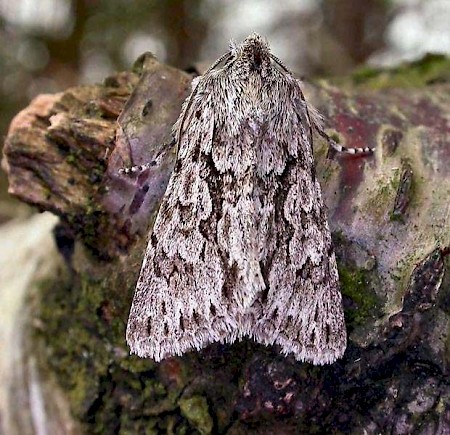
{"points": [[302, 308], [241, 245]]}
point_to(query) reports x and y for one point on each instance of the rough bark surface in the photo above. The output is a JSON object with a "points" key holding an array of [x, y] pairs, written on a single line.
{"points": [[389, 214]]}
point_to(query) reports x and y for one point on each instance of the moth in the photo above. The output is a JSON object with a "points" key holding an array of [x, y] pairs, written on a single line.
{"points": [[241, 245]]}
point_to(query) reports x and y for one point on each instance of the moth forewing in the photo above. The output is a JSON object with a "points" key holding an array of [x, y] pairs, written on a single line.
{"points": [[241, 245]]}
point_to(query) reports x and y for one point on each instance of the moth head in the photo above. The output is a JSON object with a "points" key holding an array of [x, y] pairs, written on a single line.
{"points": [[253, 52]]}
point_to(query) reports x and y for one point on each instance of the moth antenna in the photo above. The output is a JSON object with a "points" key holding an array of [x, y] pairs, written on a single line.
{"points": [[280, 64], [217, 62], [187, 106]]}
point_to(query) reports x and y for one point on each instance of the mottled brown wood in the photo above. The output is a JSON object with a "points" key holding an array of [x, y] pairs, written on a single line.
{"points": [[64, 151]]}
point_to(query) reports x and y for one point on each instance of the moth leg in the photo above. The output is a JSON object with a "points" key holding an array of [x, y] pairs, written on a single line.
{"points": [[317, 122], [137, 168], [340, 148]]}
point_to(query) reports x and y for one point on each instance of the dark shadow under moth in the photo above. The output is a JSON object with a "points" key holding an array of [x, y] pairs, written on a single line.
{"points": [[241, 244]]}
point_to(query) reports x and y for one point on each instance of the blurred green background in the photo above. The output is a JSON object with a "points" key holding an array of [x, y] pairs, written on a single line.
{"points": [[49, 45]]}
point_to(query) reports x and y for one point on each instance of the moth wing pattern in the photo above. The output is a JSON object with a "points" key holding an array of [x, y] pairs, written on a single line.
{"points": [[198, 277], [301, 307], [241, 245]]}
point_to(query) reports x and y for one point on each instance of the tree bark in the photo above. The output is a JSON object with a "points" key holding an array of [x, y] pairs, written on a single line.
{"points": [[389, 215]]}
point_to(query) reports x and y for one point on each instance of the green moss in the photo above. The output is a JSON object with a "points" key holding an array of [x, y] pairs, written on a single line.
{"points": [[396, 217], [430, 69], [71, 159], [355, 285], [407, 184], [85, 336], [88, 222], [382, 200], [195, 409], [133, 427], [79, 354]]}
